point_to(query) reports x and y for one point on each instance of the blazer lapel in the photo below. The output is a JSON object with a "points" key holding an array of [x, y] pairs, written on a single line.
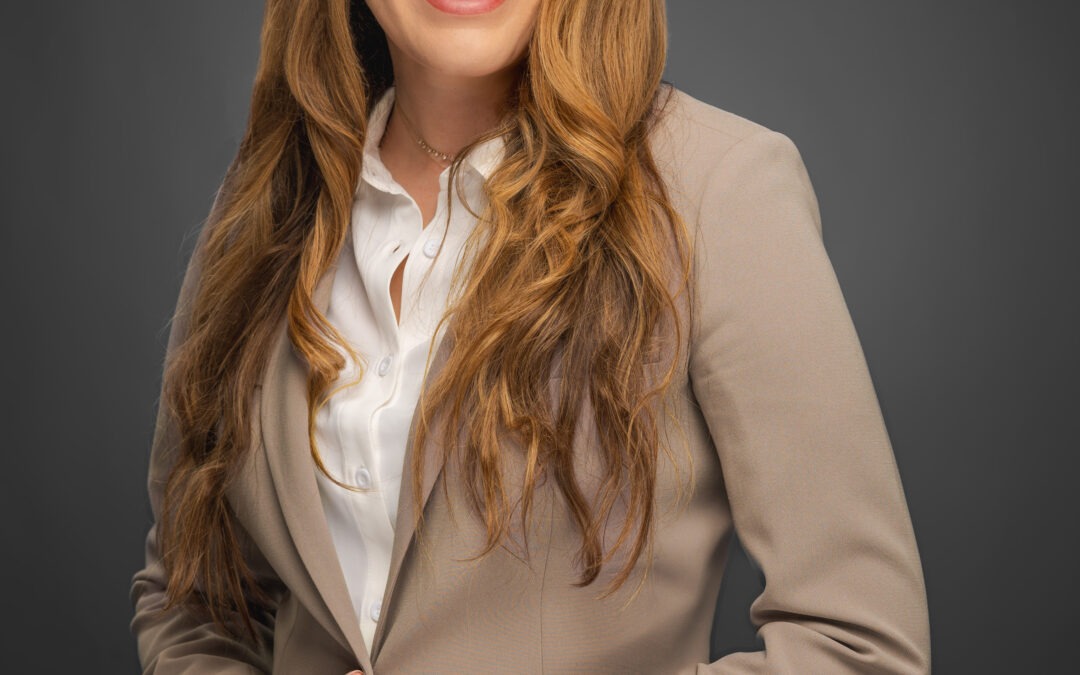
{"points": [[284, 424]]}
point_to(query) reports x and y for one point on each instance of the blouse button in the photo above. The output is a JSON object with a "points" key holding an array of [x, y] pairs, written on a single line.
{"points": [[431, 247], [363, 479], [384, 365], [376, 610]]}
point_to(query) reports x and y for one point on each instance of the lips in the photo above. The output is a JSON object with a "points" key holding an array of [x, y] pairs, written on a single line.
{"points": [[465, 7]]}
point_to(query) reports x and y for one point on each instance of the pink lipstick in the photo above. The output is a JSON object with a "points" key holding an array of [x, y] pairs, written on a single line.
{"points": [[465, 6]]}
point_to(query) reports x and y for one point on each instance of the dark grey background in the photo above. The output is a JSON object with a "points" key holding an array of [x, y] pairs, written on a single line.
{"points": [[939, 137]]}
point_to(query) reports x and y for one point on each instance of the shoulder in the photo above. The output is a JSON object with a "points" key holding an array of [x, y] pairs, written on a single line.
{"points": [[695, 144], [684, 113]]}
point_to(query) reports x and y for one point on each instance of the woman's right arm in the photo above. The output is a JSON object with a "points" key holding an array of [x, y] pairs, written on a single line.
{"points": [[175, 641]]}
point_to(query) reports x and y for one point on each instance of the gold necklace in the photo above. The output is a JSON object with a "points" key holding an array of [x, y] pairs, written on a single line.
{"points": [[441, 156]]}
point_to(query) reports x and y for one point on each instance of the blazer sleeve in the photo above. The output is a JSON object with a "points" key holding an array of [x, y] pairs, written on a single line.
{"points": [[176, 642], [782, 381]]}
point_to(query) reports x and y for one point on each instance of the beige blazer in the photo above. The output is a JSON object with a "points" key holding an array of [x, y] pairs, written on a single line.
{"points": [[783, 440]]}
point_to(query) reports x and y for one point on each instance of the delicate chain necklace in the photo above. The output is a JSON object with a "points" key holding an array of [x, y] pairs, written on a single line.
{"points": [[441, 156]]}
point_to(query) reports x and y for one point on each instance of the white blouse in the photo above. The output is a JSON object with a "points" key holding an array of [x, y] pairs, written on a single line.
{"points": [[362, 430]]}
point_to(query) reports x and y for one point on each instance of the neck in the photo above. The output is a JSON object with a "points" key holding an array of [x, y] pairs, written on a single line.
{"points": [[447, 112]]}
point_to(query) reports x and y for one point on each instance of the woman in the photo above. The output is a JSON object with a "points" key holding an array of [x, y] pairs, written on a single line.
{"points": [[491, 340]]}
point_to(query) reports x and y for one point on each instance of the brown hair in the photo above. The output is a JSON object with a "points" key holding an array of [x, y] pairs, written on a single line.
{"points": [[572, 260]]}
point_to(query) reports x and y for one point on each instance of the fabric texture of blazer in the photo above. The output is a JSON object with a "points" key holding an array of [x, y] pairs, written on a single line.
{"points": [[777, 432]]}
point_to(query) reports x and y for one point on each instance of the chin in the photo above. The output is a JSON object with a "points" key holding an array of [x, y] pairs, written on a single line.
{"points": [[470, 59]]}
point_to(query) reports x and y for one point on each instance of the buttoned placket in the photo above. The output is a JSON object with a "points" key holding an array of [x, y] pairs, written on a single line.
{"points": [[421, 245]]}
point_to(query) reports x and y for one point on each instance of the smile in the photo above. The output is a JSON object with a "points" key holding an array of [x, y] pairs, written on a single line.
{"points": [[465, 6]]}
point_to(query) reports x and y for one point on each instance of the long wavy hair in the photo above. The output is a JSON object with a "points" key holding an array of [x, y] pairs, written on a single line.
{"points": [[572, 260]]}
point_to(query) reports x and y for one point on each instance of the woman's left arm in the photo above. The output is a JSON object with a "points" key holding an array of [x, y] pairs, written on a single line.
{"points": [[782, 381]]}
